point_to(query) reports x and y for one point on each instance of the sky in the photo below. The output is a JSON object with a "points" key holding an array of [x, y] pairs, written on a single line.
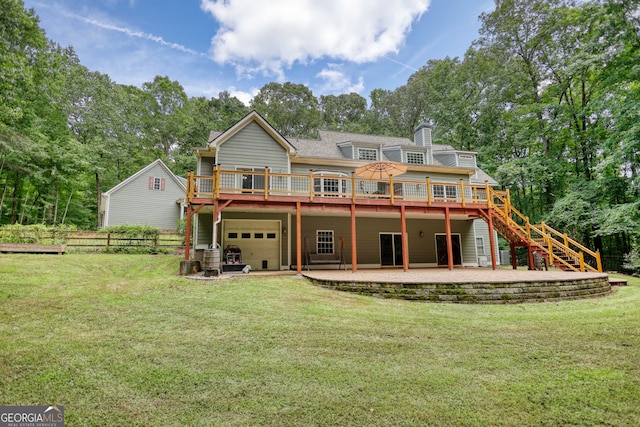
{"points": [[209, 46]]}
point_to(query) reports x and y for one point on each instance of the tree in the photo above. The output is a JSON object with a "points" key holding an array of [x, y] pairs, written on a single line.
{"points": [[344, 112], [167, 113], [290, 108]]}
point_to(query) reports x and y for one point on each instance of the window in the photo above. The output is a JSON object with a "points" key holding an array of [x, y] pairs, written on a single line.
{"points": [[252, 181], [330, 186], [324, 241], [445, 191], [367, 154], [415, 158], [480, 246], [246, 235], [258, 235], [156, 183], [232, 235]]}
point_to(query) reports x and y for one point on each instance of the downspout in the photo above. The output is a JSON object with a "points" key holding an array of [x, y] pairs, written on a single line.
{"points": [[215, 230]]}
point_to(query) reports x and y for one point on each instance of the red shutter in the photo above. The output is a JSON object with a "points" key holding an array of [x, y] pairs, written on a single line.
{"points": [[150, 183], [162, 184]]}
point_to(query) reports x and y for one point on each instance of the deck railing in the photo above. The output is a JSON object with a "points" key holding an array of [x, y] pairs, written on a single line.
{"points": [[312, 185]]}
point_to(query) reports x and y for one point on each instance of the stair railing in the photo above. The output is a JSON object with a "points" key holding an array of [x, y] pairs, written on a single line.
{"points": [[545, 239], [569, 242]]}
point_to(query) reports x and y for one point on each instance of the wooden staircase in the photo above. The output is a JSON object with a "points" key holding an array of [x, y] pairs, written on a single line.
{"points": [[556, 248]]}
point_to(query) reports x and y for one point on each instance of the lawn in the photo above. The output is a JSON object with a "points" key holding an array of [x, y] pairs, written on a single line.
{"points": [[121, 340]]}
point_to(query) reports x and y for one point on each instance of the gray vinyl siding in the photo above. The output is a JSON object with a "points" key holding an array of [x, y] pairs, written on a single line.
{"points": [[393, 155], [253, 147], [347, 151], [135, 204], [466, 162], [423, 137], [205, 230], [467, 241], [205, 166], [304, 169], [446, 159], [481, 229]]}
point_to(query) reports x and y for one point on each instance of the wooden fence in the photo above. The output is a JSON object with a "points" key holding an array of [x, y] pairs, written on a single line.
{"points": [[94, 240]]}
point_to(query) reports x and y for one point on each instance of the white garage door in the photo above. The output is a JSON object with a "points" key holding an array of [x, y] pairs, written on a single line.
{"points": [[258, 240]]}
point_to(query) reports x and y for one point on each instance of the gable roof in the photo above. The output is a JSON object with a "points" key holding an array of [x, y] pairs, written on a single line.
{"points": [[253, 116], [180, 181]]}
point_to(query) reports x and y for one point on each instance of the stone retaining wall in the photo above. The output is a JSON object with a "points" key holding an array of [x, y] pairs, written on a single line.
{"points": [[478, 293]]}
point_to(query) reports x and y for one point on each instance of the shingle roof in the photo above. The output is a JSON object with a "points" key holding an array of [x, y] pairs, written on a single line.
{"points": [[326, 146], [336, 137]]}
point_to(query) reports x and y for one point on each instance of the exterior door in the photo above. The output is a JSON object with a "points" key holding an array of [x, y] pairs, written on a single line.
{"points": [[441, 249], [390, 249]]}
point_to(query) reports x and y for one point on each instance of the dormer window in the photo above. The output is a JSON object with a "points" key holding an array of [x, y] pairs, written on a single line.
{"points": [[415, 158], [369, 154]]}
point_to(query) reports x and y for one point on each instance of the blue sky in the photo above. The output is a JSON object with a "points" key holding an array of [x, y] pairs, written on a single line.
{"points": [[332, 46]]}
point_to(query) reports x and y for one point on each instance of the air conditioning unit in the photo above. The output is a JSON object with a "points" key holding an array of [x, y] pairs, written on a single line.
{"points": [[482, 261]]}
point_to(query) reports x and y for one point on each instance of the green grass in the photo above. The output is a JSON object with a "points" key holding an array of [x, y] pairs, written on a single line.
{"points": [[121, 340]]}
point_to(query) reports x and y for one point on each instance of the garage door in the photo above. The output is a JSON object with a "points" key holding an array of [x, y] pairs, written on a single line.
{"points": [[258, 240]]}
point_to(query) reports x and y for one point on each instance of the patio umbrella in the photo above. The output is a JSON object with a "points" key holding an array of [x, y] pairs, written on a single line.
{"points": [[380, 170]]}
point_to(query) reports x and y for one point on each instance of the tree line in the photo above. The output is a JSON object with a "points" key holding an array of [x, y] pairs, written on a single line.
{"points": [[548, 95]]}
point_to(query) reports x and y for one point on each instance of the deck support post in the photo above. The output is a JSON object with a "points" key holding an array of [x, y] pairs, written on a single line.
{"points": [[532, 265], [298, 239], [514, 261], [492, 240], [405, 246], [354, 249], [187, 233], [447, 224]]}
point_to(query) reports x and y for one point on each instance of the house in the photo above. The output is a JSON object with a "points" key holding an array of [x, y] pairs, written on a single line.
{"points": [[274, 203], [156, 188]]}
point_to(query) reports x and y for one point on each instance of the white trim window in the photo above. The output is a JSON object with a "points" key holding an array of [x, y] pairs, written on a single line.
{"points": [[251, 181], [369, 154], [329, 184], [415, 158], [324, 242], [448, 192], [480, 246]]}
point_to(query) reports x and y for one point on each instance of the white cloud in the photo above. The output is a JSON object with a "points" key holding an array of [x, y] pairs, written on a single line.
{"points": [[243, 96], [268, 36], [336, 81]]}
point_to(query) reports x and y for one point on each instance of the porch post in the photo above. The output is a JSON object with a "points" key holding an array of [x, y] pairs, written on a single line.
{"points": [[298, 239], [492, 240], [447, 224], [532, 264], [354, 250], [187, 233], [405, 246], [514, 261]]}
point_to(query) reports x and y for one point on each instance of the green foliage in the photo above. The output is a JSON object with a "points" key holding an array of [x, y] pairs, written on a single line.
{"points": [[632, 261], [132, 231], [291, 108], [134, 250], [36, 233]]}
